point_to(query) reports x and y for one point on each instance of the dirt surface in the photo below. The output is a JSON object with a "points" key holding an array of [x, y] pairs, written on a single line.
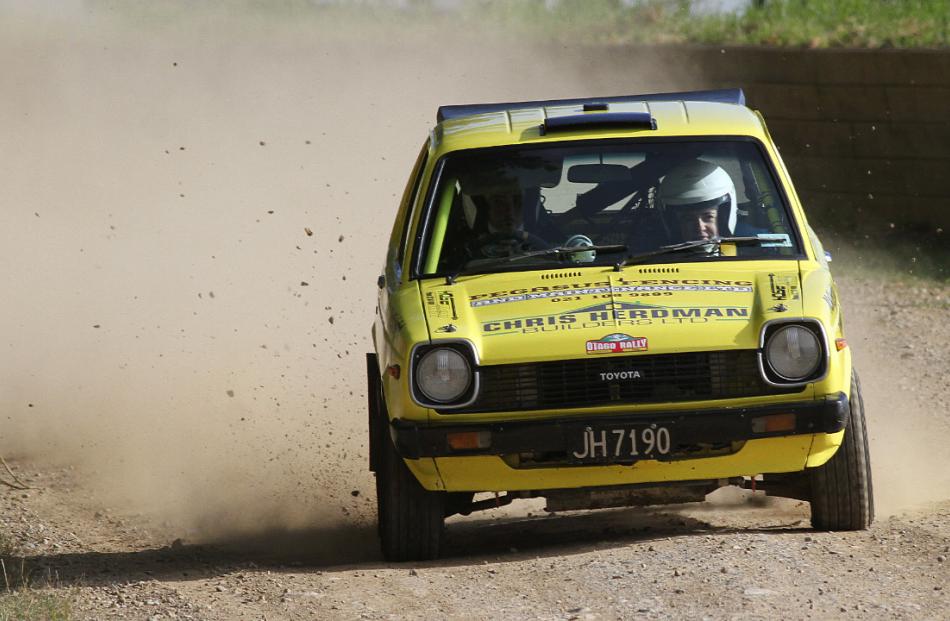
{"points": [[195, 211], [741, 561], [739, 555]]}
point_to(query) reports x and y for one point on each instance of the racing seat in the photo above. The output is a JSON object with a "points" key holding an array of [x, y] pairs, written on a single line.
{"points": [[537, 220]]}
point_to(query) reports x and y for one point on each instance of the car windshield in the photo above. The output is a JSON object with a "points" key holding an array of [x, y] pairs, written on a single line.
{"points": [[631, 201]]}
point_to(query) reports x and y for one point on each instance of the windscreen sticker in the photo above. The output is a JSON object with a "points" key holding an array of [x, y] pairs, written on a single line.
{"points": [[633, 288], [617, 343], [613, 315], [775, 240]]}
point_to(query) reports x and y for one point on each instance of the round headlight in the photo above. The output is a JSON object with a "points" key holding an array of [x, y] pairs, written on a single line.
{"points": [[443, 375], [793, 353]]}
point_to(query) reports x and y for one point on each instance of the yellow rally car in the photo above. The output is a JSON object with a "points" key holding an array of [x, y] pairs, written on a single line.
{"points": [[607, 302]]}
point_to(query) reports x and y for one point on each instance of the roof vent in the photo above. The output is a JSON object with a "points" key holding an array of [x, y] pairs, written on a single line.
{"points": [[608, 120], [596, 106]]}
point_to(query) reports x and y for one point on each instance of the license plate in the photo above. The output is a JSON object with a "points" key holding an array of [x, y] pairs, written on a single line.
{"points": [[619, 443]]}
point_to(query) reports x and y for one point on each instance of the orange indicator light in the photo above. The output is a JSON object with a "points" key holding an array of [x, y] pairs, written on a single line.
{"points": [[773, 423], [840, 344], [468, 440], [393, 371]]}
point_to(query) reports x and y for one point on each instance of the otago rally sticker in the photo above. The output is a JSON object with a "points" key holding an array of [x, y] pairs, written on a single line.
{"points": [[617, 344]]}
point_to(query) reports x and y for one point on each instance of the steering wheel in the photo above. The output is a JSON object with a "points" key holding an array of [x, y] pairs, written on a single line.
{"points": [[510, 240], [494, 238], [575, 241]]}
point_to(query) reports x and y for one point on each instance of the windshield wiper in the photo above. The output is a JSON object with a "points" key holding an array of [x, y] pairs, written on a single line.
{"points": [[557, 251], [673, 248]]}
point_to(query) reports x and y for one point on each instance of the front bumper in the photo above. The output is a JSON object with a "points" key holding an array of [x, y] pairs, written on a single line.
{"points": [[711, 426]]}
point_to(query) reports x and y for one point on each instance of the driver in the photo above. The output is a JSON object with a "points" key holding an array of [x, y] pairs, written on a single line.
{"points": [[504, 235], [699, 200]]}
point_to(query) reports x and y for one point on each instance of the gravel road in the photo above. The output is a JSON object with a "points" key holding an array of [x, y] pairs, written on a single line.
{"points": [[738, 556]]}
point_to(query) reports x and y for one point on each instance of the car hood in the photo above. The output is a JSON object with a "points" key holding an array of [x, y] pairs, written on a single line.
{"points": [[553, 315]]}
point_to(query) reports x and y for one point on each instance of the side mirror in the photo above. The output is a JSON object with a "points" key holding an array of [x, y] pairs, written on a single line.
{"points": [[827, 256]]}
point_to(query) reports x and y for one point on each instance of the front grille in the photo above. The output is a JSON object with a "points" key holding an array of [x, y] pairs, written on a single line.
{"points": [[662, 378]]}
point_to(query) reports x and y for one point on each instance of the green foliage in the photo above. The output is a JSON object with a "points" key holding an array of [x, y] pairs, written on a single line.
{"points": [[808, 23], [799, 23], [847, 23]]}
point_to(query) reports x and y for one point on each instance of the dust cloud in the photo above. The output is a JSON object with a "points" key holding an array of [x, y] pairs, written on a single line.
{"points": [[902, 364], [171, 330]]}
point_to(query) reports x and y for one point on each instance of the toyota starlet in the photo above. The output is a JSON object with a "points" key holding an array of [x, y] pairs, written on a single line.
{"points": [[607, 302]]}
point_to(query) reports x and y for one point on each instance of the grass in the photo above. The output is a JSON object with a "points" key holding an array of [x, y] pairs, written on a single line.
{"points": [[797, 23], [837, 23], [31, 605], [19, 601]]}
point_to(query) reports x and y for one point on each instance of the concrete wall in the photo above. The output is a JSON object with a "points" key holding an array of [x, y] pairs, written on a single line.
{"points": [[865, 133]]}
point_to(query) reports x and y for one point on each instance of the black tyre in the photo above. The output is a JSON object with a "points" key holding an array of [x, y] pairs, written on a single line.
{"points": [[842, 497], [377, 418], [411, 518]]}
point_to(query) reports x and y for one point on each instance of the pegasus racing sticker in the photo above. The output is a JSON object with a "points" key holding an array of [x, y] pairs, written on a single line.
{"points": [[631, 288]]}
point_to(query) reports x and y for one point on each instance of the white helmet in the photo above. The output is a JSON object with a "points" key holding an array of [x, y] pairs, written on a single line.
{"points": [[698, 183]]}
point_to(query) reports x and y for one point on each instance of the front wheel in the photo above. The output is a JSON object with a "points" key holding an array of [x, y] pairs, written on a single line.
{"points": [[411, 518], [842, 497]]}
